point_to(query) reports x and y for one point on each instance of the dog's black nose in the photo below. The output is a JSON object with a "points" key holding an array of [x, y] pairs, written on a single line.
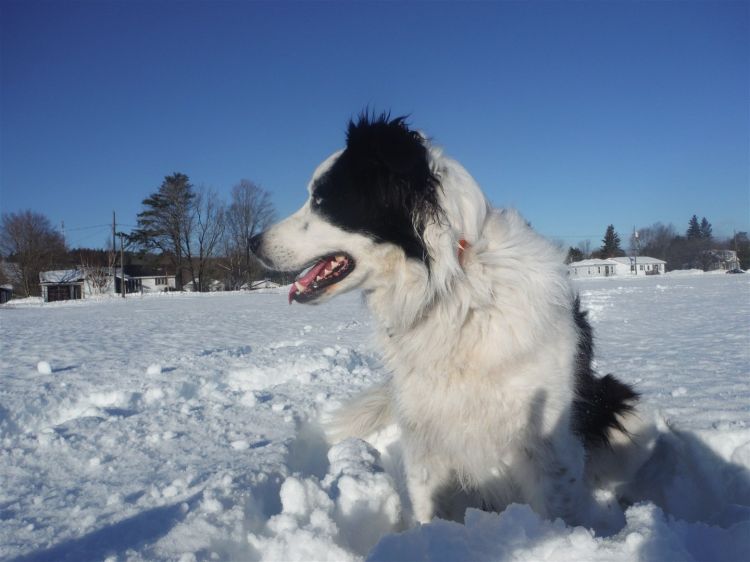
{"points": [[255, 242]]}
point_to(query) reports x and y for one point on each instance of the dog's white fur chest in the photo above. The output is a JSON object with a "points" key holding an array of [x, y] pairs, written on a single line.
{"points": [[485, 375]]}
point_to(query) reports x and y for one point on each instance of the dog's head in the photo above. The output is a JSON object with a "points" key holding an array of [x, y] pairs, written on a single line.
{"points": [[374, 207]]}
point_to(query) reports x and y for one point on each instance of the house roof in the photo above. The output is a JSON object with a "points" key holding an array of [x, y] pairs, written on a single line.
{"points": [[137, 270], [61, 276], [261, 284], [592, 263], [639, 259]]}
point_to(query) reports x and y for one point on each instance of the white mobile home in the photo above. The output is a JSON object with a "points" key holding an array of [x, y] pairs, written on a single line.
{"points": [[640, 265], [593, 268]]}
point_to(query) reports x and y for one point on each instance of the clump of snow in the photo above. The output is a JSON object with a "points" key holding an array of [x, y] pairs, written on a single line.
{"points": [[351, 508], [44, 368], [219, 456], [153, 370]]}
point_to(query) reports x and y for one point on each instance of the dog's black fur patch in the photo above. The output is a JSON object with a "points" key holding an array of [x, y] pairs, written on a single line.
{"points": [[381, 185], [598, 401]]}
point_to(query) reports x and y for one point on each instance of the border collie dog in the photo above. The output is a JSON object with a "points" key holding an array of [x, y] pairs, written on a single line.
{"points": [[490, 355]]}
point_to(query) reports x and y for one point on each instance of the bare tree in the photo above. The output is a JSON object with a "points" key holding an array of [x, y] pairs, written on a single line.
{"points": [[249, 213], [28, 239], [97, 268], [208, 231], [656, 240]]}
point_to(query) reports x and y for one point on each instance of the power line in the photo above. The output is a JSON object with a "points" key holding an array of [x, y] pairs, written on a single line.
{"points": [[77, 228], [68, 229]]}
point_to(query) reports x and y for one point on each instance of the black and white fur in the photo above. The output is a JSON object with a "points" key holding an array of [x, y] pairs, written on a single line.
{"points": [[492, 385]]}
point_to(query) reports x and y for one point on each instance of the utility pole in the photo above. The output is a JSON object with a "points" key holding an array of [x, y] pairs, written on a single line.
{"points": [[113, 253], [636, 250], [122, 266]]}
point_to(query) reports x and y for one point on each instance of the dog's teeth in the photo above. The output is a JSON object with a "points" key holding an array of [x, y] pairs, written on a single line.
{"points": [[300, 287]]}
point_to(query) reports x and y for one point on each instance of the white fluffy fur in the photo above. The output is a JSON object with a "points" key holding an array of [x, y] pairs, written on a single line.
{"points": [[481, 351]]}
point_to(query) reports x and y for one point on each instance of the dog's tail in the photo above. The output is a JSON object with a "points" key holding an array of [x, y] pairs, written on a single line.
{"points": [[367, 413], [615, 464], [617, 434]]}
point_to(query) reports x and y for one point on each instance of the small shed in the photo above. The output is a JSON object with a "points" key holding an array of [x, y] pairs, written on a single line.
{"points": [[6, 293], [62, 284]]}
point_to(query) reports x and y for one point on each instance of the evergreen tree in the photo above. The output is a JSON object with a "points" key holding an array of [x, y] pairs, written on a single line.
{"points": [[694, 229], [706, 230], [574, 254], [167, 221], [741, 243], [611, 244]]}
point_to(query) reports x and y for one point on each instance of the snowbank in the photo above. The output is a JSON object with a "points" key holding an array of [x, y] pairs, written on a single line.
{"points": [[184, 427]]}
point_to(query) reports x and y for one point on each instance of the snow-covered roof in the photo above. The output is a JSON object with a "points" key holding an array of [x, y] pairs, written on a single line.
{"points": [[639, 259], [592, 262], [61, 276], [262, 284], [155, 276]]}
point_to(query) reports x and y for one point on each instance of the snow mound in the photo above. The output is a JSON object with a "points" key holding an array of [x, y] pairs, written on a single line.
{"points": [[519, 534], [338, 518], [44, 368]]}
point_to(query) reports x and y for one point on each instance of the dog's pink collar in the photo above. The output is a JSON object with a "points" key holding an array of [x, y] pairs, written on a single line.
{"points": [[463, 245]]}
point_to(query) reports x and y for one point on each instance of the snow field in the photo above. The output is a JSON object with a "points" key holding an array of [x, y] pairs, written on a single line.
{"points": [[186, 427]]}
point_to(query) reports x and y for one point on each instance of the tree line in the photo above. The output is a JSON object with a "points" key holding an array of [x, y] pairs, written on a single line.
{"points": [[193, 227], [691, 250], [189, 231]]}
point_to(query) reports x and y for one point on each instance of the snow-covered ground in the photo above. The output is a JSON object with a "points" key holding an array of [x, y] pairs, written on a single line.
{"points": [[184, 427]]}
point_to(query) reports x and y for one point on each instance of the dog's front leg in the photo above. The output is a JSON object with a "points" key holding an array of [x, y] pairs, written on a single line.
{"points": [[425, 476], [551, 479]]}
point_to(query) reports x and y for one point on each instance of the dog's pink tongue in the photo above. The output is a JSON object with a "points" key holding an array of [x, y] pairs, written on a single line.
{"points": [[301, 283]]}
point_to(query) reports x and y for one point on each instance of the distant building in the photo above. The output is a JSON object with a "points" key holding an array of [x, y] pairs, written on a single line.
{"points": [[640, 265], [259, 284], [593, 268], [6, 293], [725, 260], [211, 286], [621, 267], [72, 284], [62, 284], [143, 279]]}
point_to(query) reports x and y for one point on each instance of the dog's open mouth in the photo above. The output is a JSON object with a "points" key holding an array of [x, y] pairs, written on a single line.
{"points": [[327, 271]]}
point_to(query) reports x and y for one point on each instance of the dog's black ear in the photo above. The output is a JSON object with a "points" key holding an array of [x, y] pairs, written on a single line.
{"points": [[382, 184], [392, 162], [389, 143]]}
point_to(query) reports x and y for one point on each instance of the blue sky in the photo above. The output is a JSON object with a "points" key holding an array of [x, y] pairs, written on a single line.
{"points": [[578, 114]]}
